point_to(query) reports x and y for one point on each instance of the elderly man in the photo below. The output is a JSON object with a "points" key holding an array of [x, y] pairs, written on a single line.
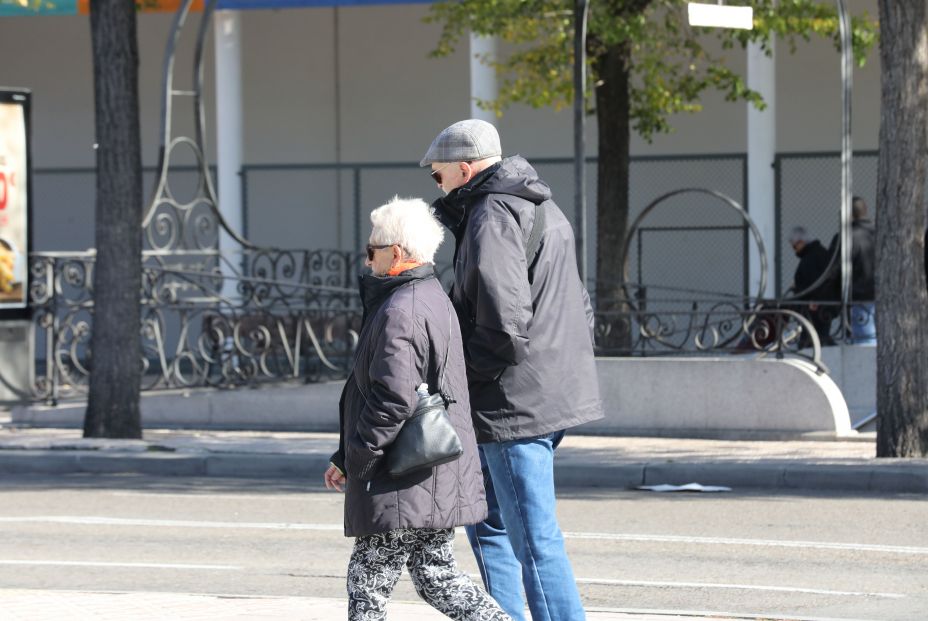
{"points": [[527, 327]]}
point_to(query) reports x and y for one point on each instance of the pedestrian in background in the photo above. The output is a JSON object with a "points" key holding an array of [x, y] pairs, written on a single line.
{"points": [[527, 326], [862, 311], [409, 335], [813, 265]]}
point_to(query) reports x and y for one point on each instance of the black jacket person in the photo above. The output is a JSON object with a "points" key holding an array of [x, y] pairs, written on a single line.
{"points": [[410, 336], [527, 329]]}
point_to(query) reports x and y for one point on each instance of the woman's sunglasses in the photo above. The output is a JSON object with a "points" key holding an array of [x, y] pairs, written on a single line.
{"points": [[372, 248]]}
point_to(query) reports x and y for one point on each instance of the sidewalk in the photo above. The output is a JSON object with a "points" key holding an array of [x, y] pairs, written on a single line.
{"points": [[582, 461]]}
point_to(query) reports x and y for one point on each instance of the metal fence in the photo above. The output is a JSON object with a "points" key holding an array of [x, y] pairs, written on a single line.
{"points": [[63, 200], [326, 206], [808, 194], [289, 315], [270, 315]]}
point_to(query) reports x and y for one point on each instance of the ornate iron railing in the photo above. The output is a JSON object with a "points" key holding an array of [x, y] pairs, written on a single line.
{"points": [[288, 316], [295, 315], [669, 326]]}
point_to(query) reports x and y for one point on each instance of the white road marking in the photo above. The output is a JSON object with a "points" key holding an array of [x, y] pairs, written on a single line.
{"points": [[772, 543], [125, 565], [111, 521], [211, 496], [745, 587], [725, 541]]}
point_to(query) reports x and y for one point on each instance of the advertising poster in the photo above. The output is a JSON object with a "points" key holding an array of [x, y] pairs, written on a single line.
{"points": [[14, 199]]}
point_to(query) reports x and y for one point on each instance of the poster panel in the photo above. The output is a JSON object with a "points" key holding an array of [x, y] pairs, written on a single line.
{"points": [[14, 198]]}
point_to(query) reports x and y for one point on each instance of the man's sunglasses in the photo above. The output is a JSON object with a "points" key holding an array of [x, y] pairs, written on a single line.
{"points": [[372, 248], [436, 174]]}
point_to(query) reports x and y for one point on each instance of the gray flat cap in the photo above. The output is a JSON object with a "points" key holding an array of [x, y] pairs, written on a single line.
{"points": [[465, 141]]}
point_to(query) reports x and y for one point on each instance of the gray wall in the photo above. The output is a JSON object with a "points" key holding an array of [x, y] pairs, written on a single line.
{"points": [[392, 99]]}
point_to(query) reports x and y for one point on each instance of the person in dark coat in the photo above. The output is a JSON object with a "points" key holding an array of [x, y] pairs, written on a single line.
{"points": [[527, 326], [409, 336], [813, 264], [862, 312]]}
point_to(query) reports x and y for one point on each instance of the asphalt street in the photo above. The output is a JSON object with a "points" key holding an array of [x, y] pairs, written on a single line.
{"points": [[754, 554]]}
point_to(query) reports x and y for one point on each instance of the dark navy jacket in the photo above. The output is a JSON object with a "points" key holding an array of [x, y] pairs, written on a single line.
{"points": [[527, 328]]}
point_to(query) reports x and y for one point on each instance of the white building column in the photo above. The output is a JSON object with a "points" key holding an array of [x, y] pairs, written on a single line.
{"points": [[762, 144], [228, 52], [482, 77]]}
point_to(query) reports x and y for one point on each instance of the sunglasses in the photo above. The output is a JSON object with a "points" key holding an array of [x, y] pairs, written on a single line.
{"points": [[372, 248], [436, 174]]}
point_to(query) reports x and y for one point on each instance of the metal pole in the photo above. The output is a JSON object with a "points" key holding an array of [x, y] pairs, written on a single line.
{"points": [[847, 74], [580, 17]]}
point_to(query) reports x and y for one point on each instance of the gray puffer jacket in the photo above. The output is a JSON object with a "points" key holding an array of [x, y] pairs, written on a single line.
{"points": [[527, 328], [408, 328]]}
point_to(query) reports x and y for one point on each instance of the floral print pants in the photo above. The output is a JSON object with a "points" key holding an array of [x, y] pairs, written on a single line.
{"points": [[378, 560]]}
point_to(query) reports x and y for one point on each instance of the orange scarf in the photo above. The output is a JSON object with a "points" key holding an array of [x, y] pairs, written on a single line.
{"points": [[399, 268]]}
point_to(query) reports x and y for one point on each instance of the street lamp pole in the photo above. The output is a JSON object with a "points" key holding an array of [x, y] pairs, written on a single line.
{"points": [[580, 17], [847, 76]]}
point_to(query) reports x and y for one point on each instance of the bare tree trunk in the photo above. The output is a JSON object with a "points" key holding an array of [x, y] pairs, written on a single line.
{"points": [[115, 375], [612, 183], [902, 301]]}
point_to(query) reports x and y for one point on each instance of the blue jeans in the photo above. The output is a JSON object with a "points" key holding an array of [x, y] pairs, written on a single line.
{"points": [[520, 543], [863, 323]]}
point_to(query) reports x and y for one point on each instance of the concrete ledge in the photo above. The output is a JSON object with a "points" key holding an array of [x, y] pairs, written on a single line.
{"points": [[853, 369], [277, 407], [731, 397]]}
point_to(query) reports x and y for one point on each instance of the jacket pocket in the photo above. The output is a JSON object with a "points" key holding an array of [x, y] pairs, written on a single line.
{"points": [[383, 483], [487, 395]]}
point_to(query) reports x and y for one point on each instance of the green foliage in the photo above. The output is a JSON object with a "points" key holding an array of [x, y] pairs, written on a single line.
{"points": [[671, 64]]}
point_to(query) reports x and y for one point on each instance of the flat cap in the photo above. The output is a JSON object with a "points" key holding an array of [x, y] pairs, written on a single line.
{"points": [[465, 141]]}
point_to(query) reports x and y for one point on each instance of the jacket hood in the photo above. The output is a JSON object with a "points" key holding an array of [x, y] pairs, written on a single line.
{"points": [[513, 176]]}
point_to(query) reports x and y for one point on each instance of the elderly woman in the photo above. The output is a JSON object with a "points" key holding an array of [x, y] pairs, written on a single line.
{"points": [[409, 336]]}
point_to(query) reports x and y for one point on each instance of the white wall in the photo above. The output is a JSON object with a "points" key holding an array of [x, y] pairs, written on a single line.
{"points": [[393, 101]]}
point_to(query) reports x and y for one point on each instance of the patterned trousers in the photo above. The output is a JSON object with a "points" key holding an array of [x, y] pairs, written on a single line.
{"points": [[378, 560]]}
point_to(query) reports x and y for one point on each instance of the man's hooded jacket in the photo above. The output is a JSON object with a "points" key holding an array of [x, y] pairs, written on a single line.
{"points": [[527, 329]]}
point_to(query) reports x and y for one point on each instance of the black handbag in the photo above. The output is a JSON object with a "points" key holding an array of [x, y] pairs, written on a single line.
{"points": [[427, 438]]}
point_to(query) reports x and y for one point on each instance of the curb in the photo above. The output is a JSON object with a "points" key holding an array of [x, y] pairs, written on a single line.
{"points": [[893, 477]]}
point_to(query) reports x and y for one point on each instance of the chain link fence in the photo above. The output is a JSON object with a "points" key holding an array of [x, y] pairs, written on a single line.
{"points": [[808, 194], [63, 199], [689, 244]]}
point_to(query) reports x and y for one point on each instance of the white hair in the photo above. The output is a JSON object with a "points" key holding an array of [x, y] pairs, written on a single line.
{"points": [[409, 223]]}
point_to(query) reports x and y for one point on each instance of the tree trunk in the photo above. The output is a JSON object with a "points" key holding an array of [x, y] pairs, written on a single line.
{"points": [[115, 375], [612, 183], [902, 302]]}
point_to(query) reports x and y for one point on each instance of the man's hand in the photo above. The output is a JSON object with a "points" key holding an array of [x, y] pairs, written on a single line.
{"points": [[334, 478]]}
